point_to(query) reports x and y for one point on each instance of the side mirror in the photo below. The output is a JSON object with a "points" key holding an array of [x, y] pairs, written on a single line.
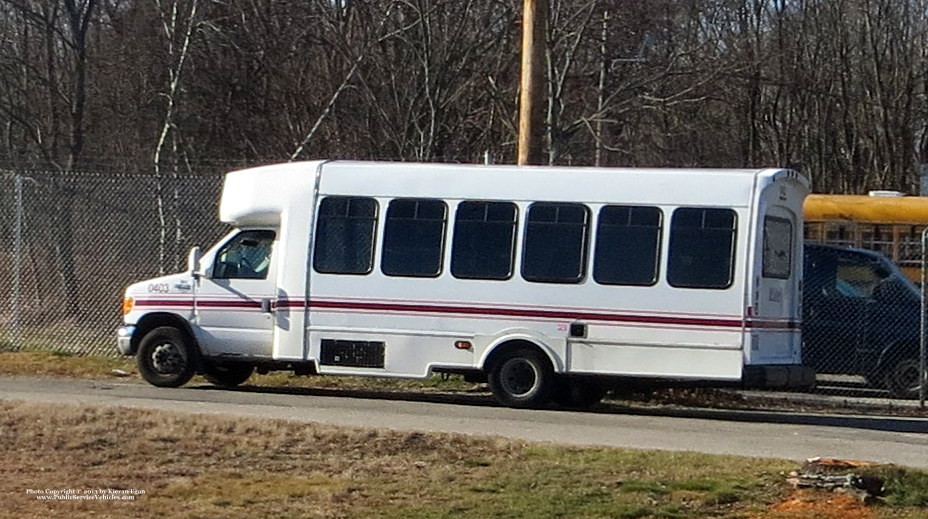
{"points": [[193, 263]]}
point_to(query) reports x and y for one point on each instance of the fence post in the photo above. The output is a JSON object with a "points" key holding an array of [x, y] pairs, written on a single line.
{"points": [[922, 372], [15, 303]]}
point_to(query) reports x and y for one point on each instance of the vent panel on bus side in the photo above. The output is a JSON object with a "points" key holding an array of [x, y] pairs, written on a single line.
{"points": [[355, 354]]}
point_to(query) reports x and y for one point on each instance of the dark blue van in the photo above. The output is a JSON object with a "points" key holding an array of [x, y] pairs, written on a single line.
{"points": [[860, 317]]}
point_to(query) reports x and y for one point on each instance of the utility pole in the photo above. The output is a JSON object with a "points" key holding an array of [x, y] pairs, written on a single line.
{"points": [[531, 107], [601, 95]]}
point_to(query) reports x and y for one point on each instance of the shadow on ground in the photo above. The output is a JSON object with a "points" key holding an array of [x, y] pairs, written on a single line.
{"points": [[748, 410]]}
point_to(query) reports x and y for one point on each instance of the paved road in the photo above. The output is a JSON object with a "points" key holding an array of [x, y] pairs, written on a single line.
{"points": [[775, 435]]}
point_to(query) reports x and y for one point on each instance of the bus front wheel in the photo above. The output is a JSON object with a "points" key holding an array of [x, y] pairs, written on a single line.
{"points": [[166, 357], [522, 378]]}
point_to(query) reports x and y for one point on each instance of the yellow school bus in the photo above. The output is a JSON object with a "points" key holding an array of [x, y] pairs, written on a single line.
{"points": [[885, 221]]}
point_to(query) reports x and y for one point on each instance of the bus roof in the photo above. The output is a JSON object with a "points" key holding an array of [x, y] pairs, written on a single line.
{"points": [[553, 183], [257, 196], [864, 208]]}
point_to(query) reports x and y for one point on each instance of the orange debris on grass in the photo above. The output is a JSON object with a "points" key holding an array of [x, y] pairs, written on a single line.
{"points": [[818, 504]]}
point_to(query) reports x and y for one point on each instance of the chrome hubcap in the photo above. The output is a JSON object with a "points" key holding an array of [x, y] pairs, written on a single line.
{"points": [[167, 358]]}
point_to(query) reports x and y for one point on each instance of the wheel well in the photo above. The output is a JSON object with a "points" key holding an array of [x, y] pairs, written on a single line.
{"points": [[155, 320], [508, 346]]}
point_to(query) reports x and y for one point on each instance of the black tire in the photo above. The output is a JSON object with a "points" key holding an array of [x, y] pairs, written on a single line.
{"points": [[578, 393], [902, 377], [166, 357], [522, 378], [227, 375]]}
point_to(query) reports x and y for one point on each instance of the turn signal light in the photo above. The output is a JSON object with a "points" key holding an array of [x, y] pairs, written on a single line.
{"points": [[127, 305], [463, 345]]}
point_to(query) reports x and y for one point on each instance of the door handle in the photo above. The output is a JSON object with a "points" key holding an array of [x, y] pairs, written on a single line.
{"points": [[267, 306]]}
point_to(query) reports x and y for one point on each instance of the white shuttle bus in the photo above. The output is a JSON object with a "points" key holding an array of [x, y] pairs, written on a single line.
{"points": [[550, 283]]}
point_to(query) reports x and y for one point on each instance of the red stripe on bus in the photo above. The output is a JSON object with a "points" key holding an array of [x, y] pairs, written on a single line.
{"points": [[204, 303], [513, 312], [485, 312]]}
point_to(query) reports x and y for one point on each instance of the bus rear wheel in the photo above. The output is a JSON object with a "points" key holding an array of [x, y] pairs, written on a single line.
{"points": [[578, 393], [522, 378], [227, 375], [166, 357]]}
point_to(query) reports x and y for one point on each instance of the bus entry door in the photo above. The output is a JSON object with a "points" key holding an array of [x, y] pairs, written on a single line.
{"points": [[234, 303]]}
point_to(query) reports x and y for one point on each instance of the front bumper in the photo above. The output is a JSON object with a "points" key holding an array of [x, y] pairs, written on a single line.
{"points": [[124, 340]]}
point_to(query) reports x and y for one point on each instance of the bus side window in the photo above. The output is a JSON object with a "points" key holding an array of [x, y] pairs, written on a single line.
{"points": [[702, 248], [484, 240], [345, 235], [413, 237], [628, 241], [555, 242]]}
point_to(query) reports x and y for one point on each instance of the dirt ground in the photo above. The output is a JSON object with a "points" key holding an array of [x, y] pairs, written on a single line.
{"points": [[819, 504]]}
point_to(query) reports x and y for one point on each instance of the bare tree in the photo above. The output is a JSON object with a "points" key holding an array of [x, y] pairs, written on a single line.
{"points": [[178, 29], [56, 125]]}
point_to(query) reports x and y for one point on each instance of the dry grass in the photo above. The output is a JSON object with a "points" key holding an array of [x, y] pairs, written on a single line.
{"points": [[60, 364], [192, 466]]}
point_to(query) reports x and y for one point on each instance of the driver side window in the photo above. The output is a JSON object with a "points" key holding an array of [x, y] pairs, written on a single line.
{"points": [[246, 256]]}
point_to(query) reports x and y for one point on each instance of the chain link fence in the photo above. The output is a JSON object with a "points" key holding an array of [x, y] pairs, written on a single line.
{"points": [[76, 240], [862, 325]]}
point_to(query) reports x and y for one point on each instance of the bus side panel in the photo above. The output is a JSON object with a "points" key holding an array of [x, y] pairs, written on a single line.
{"points": [[641, 340], [388, 353], [685, 362], [416, 335]]}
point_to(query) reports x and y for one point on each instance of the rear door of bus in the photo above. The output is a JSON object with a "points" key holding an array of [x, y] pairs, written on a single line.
{"points": [[776, 299]]}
